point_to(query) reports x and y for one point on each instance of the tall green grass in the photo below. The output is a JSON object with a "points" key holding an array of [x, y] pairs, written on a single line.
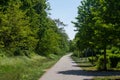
{"points": [[24, 68]]}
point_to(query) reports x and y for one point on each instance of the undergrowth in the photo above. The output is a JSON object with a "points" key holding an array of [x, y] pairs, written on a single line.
{"points": [[24, 68]]}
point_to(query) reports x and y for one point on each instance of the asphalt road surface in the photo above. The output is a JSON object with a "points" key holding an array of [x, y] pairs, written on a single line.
{"points": [[65, 69]]}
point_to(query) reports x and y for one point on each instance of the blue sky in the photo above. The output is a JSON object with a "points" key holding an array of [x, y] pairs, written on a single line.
{"points": [[66, 11]]}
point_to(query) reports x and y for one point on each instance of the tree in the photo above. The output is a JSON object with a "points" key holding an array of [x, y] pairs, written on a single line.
{"points": [[97, 25], [25, 28], [14, 26]]}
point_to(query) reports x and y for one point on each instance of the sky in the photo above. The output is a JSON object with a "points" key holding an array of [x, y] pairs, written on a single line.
{"points": [[66, 11]]}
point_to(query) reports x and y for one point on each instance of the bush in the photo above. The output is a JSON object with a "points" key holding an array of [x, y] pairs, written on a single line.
{"points": [[118, 65], [2, 53], [17, 52], [20, 52], [92, 59], [100, 63], [52, 56], [5, 52], [114, 59], [75, 53], [115, 50]]}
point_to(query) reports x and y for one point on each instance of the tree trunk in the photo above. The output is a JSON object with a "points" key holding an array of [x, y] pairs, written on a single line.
{"points": [[105, 60], [92, 58]]}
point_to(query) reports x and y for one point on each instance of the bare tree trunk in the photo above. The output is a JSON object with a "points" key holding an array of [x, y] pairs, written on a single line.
{"points": [[92, 58], [105, 60]]}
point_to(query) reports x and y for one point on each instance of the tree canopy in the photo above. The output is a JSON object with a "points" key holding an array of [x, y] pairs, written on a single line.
{"points": [[98, 25], [25, 28]]}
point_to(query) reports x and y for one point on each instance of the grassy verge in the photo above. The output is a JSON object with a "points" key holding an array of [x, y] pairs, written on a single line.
{"points": [[107, 78], [24, 68], [84, 63], [87, 66]]}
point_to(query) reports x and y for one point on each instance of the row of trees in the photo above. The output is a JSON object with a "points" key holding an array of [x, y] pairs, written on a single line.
{"points": [[25, 28], [98, 26]]}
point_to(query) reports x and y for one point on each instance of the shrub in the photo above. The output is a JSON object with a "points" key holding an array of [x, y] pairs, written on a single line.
{"points": [[114, 59], [75, 53], [52, 56], [118, 65], [17, 52], [20, 52], [100, 63], [115, 50], [92, 59]]}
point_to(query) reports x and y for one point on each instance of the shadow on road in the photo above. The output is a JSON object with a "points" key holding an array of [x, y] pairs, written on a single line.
{"points": [[88, 65], [90, 73]]}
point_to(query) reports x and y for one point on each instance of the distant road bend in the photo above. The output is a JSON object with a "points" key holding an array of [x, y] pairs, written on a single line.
{"points": [[65, 69]]}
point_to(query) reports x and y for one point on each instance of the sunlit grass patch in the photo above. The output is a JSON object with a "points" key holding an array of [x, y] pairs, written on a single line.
{"points": [[24, 68], [107, 78]]}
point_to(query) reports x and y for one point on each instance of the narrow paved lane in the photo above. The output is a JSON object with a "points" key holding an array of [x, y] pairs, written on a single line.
{"points": [[65, 69]]}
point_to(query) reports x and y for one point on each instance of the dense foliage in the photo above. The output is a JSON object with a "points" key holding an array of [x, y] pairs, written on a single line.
{"points": [[98, 26], [26, 28]]}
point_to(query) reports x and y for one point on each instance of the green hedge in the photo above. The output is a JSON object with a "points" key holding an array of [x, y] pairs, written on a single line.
{"points": [[100, 63], [118, 65], [114, 59], [92, 59]]}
